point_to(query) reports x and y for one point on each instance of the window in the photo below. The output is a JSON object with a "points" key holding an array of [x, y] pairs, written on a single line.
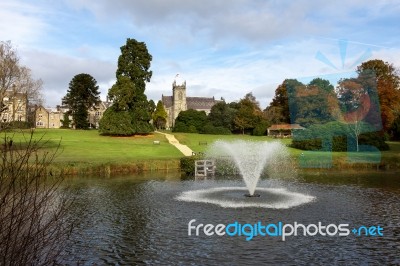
{"points": [[40, 115], [39, 123]]}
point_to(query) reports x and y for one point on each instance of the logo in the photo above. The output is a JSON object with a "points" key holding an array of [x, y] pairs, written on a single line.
{"points": [[336, 111], [343, 44], [280, 229]]}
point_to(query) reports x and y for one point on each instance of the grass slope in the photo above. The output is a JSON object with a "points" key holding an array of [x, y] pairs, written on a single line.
{"points": [[87, 149], [88, 146]]}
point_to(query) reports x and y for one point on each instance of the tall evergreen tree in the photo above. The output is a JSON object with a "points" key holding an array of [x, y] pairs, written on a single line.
{"points": [[128, 93], [82, 94], [160, 116]]}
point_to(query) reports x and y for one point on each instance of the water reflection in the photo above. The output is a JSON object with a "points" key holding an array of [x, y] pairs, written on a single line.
{"points": [[136, 219]]}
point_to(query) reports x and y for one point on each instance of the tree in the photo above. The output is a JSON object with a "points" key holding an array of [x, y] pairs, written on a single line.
{"points": [[66, 122], [152, 107], [160, 116], [35, 216], [191, 121], [315, 103], [278, 110], [355, 103], [388, 87], [116, 123], [16, 81], [248, 115], [82, 94], [395, 130], [222, 115], [128, 91]]}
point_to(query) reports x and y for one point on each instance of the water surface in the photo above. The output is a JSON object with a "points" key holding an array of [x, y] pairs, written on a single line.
{"points": [[138, 220]]}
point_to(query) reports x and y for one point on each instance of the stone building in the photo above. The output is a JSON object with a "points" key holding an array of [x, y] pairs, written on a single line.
{"points": [[14, 107], [180, 102], [51, 117], [95, 114], [48, 118]]}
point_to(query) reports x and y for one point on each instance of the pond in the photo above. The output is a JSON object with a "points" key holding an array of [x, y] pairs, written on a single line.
{"points": [[139, 220]]}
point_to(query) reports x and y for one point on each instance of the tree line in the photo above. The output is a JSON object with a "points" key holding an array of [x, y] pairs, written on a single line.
{"points": [[315, 103], [369, 102]]}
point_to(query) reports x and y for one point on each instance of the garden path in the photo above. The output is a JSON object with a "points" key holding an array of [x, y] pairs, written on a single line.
{"points": [[173, 141]]}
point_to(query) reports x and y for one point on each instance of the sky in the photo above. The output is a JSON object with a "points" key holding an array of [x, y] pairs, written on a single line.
{"points": [[221, 48]]}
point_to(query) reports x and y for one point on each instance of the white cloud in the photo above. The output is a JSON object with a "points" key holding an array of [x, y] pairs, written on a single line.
{"points": [[223, 49], [21, 23], [57, 71]]}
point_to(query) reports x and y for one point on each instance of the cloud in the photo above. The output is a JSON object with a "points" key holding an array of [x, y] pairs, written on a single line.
{"points": [[57, 70], [21, 23], [223, 49], [219, 21]]}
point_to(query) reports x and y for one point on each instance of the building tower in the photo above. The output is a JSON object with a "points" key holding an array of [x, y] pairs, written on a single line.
{"points": [[178, 97]]}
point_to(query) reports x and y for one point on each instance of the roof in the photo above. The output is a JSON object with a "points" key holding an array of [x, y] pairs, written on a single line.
{"points": [[200, 102], [196, 103], [167, 101], [52, 110], [40, 107], [285, 127]]}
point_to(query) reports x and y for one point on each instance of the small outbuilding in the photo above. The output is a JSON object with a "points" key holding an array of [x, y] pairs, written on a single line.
{"points": [[283, 130]]}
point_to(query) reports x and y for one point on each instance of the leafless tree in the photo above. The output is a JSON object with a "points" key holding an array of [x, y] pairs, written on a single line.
{"points": [[34, 205], [18, 89]]}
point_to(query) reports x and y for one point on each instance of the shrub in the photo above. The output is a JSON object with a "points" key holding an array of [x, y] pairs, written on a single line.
{"points": [[334, 136], [35, 220], [373, 139], [210, 129], [187, 164], [261, 129]]}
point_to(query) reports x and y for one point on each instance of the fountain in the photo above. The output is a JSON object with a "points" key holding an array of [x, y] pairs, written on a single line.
{"points": [[250, 160]]}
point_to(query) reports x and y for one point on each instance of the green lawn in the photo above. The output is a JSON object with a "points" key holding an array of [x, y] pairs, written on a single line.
{"points": [[87, 146], [196, 141], [305, 158]]}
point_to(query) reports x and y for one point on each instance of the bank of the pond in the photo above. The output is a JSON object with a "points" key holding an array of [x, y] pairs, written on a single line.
{"points": [[315, 163], [85, 152], [113, 169]]}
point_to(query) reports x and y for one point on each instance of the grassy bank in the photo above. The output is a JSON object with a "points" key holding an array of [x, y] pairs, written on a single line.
{"points": [[86, 152]]}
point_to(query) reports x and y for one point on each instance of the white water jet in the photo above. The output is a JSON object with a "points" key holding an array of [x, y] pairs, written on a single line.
{"points": [[252, 158]]}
